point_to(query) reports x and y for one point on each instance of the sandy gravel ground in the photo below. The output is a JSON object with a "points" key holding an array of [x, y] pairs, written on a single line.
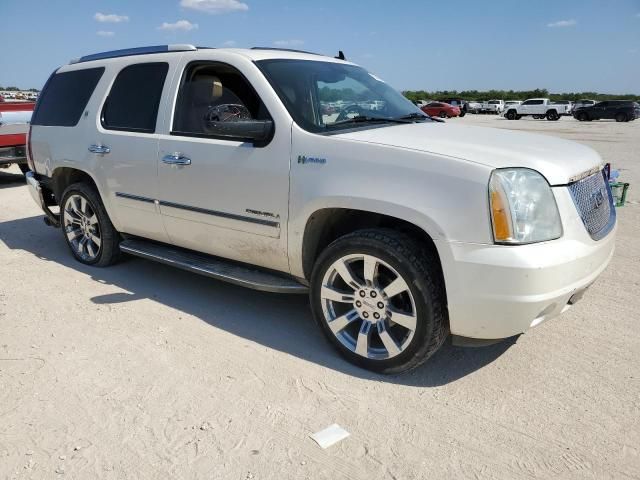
{"points": [[142, 371]]}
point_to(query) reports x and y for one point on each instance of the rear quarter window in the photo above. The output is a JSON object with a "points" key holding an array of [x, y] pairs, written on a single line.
{"points": [[65, 97], [134, 99]]}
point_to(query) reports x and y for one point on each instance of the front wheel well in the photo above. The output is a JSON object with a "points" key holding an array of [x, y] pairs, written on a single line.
{"points": [[64, 176], [327, 225]]}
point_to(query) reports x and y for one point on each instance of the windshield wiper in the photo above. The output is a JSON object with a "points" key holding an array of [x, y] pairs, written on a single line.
{"points": [[415, 116], [369, 119]]}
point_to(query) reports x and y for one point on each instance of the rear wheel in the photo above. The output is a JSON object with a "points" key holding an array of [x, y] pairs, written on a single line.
{"points": [[86, 227], [442, 114], [552, 115], [379, 299], [621, 117]]}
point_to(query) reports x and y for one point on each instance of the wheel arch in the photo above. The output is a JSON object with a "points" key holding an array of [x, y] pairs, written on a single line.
{"points": [[62, 177], [327, 224]]}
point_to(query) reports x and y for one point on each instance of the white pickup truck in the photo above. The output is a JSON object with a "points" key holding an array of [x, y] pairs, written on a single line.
{"points": [[494, 106], [401, 229], [537, 108]]}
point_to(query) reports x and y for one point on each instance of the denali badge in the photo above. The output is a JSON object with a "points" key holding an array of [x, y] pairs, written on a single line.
{"points": [[303, 159]]}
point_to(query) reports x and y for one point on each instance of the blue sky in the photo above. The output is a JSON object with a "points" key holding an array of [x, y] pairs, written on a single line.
{"points": [[562, 45]]}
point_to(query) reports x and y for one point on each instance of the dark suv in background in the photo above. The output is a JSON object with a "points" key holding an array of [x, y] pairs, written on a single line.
{"points": [[620, 110]]}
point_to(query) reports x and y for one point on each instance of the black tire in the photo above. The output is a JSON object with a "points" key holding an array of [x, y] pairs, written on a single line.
{"points": [[442, 114], [518, 117], [421, 272], [109, 250], [511, 115], [24, 168], [582, 117], [462, 113], [552, 115], [621, 117]]}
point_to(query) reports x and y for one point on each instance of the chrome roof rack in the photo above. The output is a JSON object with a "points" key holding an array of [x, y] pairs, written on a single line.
{"points": [[127, 52], [286, 50]]}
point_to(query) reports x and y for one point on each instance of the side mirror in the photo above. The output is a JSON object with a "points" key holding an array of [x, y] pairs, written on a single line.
{"points": [[258, 132]]}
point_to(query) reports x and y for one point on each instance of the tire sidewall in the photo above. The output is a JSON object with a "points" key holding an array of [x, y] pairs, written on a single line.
{"points": [[105, 255], [417, 286]]}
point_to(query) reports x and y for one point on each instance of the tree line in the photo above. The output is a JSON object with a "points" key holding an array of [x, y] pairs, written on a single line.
{"points": [[514, 95], [16, 89]]}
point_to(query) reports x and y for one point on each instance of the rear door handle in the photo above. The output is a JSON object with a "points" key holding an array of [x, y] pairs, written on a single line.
{"points": [[102, 149], [176, 159]]}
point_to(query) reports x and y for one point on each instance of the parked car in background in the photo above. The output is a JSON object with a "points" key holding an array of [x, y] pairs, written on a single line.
{"points": [[618, 110], [494, 106], [14, 125], [1, 99], [583, 103], [537, 108], [511, 102], [441, 109], [474, 106], [568, 104], [457, 102]]}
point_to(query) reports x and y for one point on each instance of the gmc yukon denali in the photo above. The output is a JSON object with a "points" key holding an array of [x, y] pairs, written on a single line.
{"points": [[403, 230]]}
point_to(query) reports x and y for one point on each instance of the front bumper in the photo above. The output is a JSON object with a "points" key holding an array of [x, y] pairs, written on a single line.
{"points": [[497, 291], [37, 193]]}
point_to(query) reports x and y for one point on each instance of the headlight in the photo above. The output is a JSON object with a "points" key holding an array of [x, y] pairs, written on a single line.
{"points": [[523, 208]]}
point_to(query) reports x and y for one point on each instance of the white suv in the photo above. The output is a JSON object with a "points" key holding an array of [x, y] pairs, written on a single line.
{"points": [[402, 229]]}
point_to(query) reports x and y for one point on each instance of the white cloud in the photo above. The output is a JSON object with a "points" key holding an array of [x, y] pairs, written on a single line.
{"points": [[215, 6], [229, 43], [288, 43], [562, 23], [104, 33], [110, 18], [183, 25]]}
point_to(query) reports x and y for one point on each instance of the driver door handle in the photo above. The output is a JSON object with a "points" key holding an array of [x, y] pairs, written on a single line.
{"points": [[176, 159]]}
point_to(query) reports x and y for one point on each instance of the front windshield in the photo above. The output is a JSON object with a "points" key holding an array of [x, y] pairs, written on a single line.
{"points": [[329, 96]]}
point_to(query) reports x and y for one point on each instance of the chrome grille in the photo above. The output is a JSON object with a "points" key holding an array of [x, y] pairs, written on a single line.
{"points": [[593, 199]]}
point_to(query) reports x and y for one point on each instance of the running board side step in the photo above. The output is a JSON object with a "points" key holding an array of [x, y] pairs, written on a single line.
{"points": [[214, 267]]}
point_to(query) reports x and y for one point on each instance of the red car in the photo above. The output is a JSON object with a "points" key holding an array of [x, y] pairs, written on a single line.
{"points": [[441, 109]]}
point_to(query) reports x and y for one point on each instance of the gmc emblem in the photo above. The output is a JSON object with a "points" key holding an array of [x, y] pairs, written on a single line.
{"points": [[598, 199]]}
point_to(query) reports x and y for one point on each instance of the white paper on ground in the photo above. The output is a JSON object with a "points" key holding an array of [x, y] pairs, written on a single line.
{"points": [[330, 435]]}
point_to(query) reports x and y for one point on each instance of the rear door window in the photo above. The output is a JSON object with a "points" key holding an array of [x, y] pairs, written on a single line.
{"points": [[65, 97], [134, 99]]}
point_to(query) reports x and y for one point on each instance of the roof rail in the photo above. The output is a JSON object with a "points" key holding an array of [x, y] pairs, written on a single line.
{"points": [[127, 52], [286, 50]]}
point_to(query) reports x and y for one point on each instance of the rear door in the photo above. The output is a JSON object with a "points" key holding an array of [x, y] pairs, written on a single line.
{"points": [[125, 144], [602, 110]]}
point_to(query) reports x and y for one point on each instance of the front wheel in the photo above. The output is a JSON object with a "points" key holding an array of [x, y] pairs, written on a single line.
{"points": [[621, 117], [511, 115], [379, 299], [86, 226], [442, 114]]}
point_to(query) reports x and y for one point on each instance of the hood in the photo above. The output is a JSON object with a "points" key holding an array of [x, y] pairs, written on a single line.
{"points": [[558, 160]]}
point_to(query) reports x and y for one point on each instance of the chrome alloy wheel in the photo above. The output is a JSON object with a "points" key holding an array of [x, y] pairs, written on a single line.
{"points": [[81, 227], [368, 306]]}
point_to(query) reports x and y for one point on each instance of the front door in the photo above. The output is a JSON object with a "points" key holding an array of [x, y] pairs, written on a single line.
{"points": [[218, 194]]}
